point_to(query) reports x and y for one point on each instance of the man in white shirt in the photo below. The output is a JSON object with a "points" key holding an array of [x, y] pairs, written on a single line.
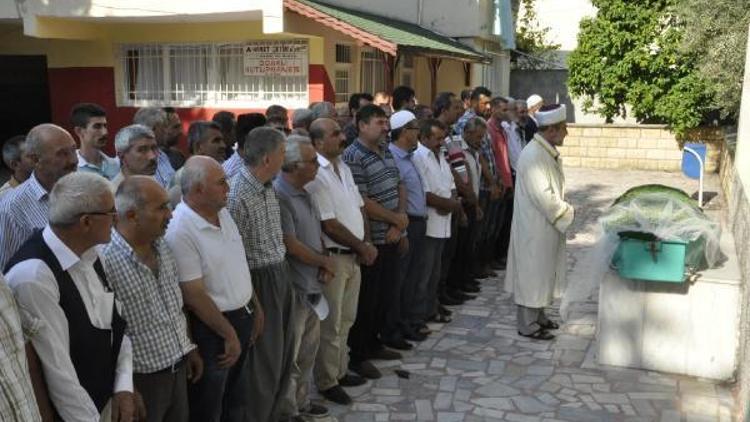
{"points": [[345, 235], [57, 277], [440, 191], [90, 126], [217, 290]]}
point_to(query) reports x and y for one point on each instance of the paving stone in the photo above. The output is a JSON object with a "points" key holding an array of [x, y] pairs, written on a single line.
{"points": [[497, 389], [450, 417], [443, 401], [528, 404], [498, 403], [424, 410], [609, 398], [478, 369], [670, 416]]}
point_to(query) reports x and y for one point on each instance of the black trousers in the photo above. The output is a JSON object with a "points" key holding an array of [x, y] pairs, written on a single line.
{"points": [[464, 260], [379, 303]]}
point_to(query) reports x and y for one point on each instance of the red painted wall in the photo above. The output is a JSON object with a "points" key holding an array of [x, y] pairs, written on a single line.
{"points": [[69, 86]]}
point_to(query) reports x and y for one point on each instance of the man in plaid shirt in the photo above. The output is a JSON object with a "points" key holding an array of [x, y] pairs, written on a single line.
{"points": [[143, 274], [255, 208]]}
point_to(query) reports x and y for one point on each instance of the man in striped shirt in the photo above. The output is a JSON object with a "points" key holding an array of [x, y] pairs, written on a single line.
{"points": [[53, 152], [157, 120], [377, 177]]}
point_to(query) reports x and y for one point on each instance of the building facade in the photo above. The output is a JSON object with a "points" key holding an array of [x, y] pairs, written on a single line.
{"points": [[200, 57]]}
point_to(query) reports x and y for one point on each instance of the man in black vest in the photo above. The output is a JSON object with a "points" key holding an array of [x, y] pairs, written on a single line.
{"points": [[71, 315]]}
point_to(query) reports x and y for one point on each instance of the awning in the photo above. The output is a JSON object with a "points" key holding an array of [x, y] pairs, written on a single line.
{"points": [[387, 35]]}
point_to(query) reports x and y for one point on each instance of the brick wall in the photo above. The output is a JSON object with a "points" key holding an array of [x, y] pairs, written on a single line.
{"points": [[634, 147]]}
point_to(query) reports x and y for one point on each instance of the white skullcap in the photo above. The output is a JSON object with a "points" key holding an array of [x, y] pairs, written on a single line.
{"points": [[399, 119], [534, 100], [552, 116]]}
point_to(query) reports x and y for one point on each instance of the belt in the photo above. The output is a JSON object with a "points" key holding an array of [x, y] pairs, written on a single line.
{"points": [[176, 366], [417, 218], [246, 309], [341, 251]]}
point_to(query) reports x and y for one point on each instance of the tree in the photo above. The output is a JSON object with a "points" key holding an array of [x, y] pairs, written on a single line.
{"points": [[716, 35], [533, 50], [629, 54]]}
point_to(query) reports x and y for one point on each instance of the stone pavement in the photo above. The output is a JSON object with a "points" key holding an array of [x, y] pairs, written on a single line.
{"points": [[478, 369]]}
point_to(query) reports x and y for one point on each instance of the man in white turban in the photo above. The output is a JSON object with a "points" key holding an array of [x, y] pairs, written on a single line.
{"points": [[536, 259]]}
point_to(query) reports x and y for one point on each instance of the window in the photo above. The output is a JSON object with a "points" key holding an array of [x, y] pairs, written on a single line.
{"points": [[407, 70], [190, 75], [342, 85], [343, 73], [372, 68]]}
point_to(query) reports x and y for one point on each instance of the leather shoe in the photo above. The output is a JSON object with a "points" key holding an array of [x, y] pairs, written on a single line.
{"points": [[458, 294], [442, 310], [468, 288], [415, 336], [448, 300], [365, 369], [384, 354], [399, 344], [337, 395], [351, 380]]}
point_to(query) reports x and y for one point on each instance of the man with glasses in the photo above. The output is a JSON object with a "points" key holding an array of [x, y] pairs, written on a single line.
{"points": [[53, 152], [69, 308]]}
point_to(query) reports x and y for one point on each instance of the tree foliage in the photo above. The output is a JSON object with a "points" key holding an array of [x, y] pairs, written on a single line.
{"points": [[630, 55], [716, 35], [532, 40]]}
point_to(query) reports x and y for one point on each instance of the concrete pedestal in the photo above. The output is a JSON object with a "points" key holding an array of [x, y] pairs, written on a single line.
{"points": [[688, 328]]}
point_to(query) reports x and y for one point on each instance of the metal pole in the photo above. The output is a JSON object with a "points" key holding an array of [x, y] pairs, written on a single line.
{"points": [[700, 177]]}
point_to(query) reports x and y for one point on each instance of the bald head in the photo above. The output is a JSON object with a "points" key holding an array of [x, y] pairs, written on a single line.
{"points": [[53, 151], [204, 184], [327, 137], [143, 207]]}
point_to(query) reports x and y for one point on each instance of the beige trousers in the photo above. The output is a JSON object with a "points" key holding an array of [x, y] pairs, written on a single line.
{"points": [[342, 294], [306, 325]]}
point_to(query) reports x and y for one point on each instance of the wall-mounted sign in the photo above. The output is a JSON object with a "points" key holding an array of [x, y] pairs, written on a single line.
{"points": [[275, 58]]}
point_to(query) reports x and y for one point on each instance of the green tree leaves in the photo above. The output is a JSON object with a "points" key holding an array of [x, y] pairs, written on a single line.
{"points": [[630, 54]]}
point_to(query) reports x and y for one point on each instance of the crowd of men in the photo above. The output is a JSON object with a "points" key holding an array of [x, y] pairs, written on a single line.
{"points": [[278, 254]]}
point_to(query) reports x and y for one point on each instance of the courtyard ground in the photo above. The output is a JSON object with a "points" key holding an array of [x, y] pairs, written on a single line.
{"points": [[478, 369]]}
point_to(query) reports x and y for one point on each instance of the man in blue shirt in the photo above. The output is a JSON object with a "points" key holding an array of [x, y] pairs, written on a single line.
{"points": [[404, 135]]}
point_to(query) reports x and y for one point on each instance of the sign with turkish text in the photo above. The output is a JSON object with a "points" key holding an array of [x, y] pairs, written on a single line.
{"points": [[275, 58]]}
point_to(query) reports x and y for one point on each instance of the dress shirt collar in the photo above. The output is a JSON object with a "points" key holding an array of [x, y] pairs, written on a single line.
{"points": [[37, 190], [62, 252], [120, 242], [197, 219], [398, 152], [287, 188], [255, 184], [83, 163], [323, 161]]}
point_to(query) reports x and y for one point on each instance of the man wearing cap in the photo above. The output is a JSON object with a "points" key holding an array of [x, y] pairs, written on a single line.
{"points": [[533, 104], [536, 259], [398, 328]]}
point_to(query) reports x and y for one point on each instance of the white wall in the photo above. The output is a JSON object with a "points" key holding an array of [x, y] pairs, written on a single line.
{"points": [[563, 19], [453, 18], [742, 155]]}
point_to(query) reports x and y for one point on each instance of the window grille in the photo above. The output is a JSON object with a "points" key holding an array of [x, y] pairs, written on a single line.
{"points": [[343, 53], [342, 85], [190, 75], [372, 68]]}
